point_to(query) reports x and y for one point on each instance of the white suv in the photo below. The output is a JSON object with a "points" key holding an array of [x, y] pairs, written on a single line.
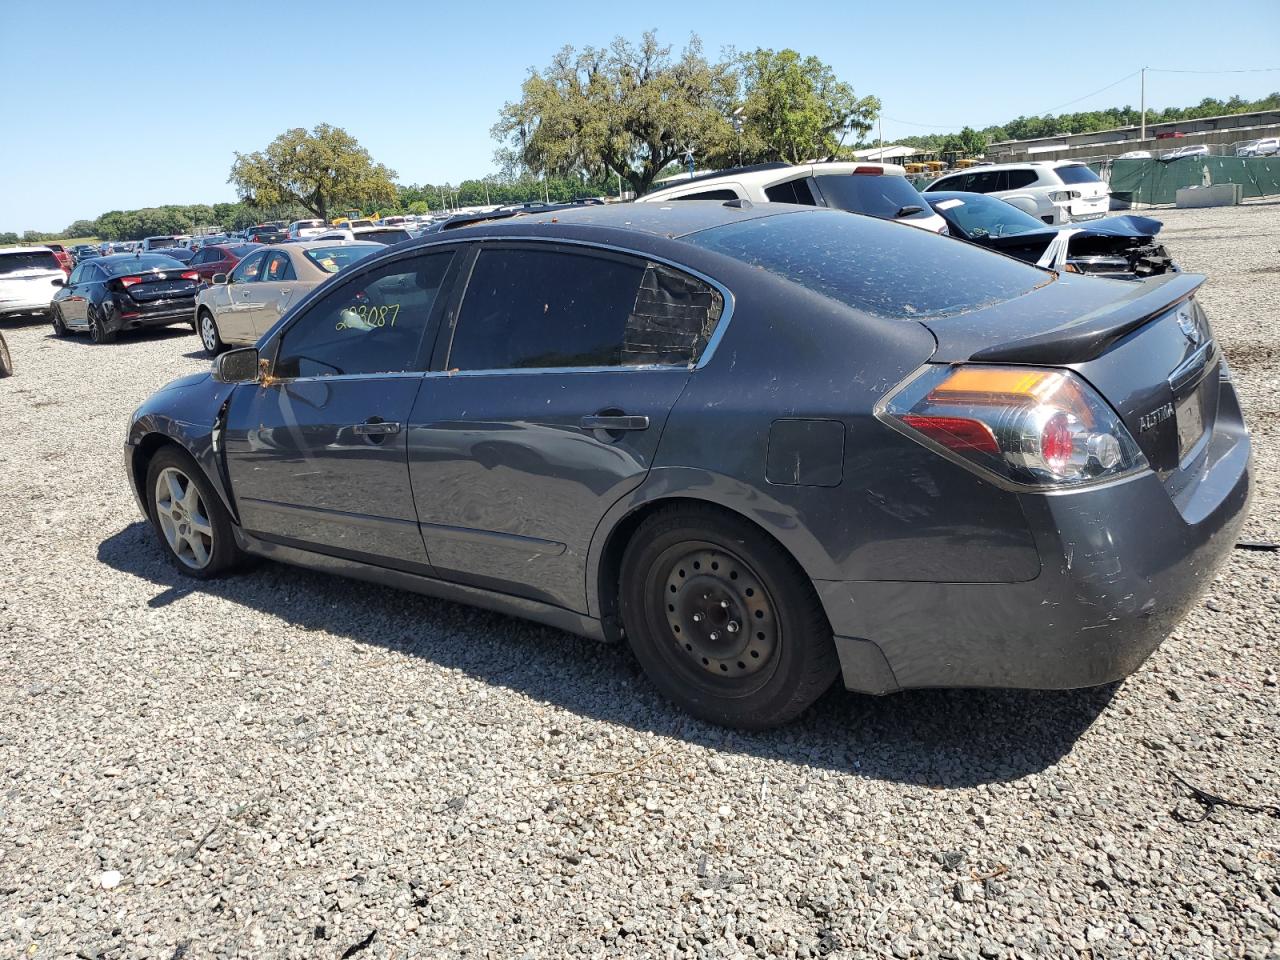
{"points": [[1265, 147], [1055, 191], [29, 277], [875, 189]]}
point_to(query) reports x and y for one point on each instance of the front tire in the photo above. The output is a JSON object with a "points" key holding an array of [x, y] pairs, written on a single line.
{"points": [[98, 331], [6, 360], [193, 526], [59, 325], [723, 620], [210, 337]]}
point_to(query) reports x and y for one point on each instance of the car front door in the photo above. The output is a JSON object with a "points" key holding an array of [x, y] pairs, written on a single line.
{"points": [[234, 301], [552, 391], [316, 454], [274, 290], [71, 299]]}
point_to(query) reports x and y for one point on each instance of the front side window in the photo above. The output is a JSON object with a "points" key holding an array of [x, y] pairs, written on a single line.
{"points": [[529, 308], [248, 270], [76, 276], [374, 323]]}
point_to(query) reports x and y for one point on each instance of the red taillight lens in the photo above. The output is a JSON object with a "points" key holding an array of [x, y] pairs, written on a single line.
{"points": [[129, 281], [1033, 427], [191, 275]]}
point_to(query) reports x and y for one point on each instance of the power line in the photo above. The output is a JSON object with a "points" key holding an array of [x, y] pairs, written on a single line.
{"points": [[936, 126], [1248, 70], [1094, 94]]}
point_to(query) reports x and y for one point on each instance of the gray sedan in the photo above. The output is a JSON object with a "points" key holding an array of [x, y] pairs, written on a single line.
{"points": [[767, 446]]}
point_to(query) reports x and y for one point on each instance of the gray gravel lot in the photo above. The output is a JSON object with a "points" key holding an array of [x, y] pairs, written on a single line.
{"points": [[288, 764]]}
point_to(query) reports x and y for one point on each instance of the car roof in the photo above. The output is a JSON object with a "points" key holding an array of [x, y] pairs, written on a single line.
{"points": [[313, 244], [679, 219], [40, 249]]}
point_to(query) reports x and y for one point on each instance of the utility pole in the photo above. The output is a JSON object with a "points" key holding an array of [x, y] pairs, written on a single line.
{"points": [[1142, 135]]}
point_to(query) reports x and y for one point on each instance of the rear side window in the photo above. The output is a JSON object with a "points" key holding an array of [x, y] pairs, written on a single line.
{"points": [[873, 267], [1021, 178], [876, 195], [553, 308], [278, 267], [374, 323], [988, 181], [793, 191], [1077, 173], [33, 260], [709, 195]]}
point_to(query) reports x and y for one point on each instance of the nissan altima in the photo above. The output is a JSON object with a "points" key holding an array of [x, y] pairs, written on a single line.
{"points": [[765, 445]]}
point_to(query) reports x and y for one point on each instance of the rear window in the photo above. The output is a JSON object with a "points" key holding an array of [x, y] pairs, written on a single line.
{"points": [[156, 243], [336, 258], [1077, 173], [242, 250], [157, 261], [32, 260], [876, 196], [892, 272], [384, 236]]}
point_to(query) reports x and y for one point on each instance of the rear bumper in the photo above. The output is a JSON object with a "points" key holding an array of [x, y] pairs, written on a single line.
{"points": [[1121, 566], [136, 316]]}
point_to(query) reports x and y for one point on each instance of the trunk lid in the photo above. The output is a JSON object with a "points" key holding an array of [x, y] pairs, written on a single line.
{"points": [[162, 285], [1145, 346]]}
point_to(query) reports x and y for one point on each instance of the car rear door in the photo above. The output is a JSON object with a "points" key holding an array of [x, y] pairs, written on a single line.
{"points": [[317, 455], [234, 309], [552, 389]]}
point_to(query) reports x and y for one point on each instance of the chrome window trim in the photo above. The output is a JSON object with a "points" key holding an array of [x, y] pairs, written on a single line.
{"points": [[714, 341]]}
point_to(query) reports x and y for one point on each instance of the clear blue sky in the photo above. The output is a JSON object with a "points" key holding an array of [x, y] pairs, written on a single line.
{"points": [[135, 103]]}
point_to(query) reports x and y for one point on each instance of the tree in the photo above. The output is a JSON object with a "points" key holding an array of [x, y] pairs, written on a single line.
{"points": [[627, 110], [320, 171], [794, 108], [81, 228]]}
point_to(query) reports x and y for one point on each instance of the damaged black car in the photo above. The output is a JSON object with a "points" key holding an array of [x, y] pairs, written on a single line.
{"points": [[1124, 247]]}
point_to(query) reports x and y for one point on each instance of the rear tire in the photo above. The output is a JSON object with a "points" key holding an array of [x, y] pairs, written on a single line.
{"points": [[193, 526], [207, 331], [723, 620], [98, 332], [59, 325]]}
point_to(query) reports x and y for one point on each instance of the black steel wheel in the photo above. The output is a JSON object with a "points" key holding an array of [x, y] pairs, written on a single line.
{"points": [[722, 620]]}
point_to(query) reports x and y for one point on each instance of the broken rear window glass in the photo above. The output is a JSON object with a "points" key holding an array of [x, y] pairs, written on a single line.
{"points": [[888, 270]]}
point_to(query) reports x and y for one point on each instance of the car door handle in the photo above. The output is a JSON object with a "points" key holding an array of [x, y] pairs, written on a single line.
{"points": [[619, 422], [374, 427]]}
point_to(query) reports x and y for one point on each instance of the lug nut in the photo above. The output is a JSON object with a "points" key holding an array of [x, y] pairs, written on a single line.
{"points": [[697, 618], [724, 604], [715, 635], [732, 626]]}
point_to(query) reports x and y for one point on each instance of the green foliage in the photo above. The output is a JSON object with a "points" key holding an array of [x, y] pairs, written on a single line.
{"points": [[793, 109], [322, 170], [1029, 128], [8, 237], [626, 110]]}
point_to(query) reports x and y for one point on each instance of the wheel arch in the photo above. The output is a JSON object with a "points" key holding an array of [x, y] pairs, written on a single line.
{"points": [[602, 599]]}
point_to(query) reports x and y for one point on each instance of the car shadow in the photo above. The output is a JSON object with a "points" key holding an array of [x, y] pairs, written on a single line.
{"points": [[931, 738], [143, 335]]}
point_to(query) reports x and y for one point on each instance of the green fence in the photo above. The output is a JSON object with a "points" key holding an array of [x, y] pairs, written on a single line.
{"points": [[1157, 181]]}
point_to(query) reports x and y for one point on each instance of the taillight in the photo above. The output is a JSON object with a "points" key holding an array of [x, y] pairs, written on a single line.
{"points": [[191, 275], [129, 281], [1031, 427]]}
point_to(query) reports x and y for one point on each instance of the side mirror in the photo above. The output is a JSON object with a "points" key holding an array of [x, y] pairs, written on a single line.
{"points": [[237, 366], [219, 278], [58, 282]]}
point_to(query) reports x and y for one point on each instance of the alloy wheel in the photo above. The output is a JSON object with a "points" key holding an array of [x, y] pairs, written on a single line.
{"points": [[183, 519], [208, 332]]}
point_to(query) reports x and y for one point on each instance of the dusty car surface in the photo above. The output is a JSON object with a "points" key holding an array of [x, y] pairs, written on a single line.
{"points": [[1124, 246], [767, 446], [237, 308]]}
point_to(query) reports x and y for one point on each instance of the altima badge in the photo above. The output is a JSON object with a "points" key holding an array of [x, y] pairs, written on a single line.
{"points": [[1156, 417]]}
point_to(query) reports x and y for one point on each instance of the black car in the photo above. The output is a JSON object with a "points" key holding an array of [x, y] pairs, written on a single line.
{"points": [[84, 251], [765, 445], [1120, 247], [124, 291]]}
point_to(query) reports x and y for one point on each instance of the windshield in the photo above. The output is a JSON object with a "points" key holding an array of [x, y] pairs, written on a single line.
{"points": [[28, 260], [977, 216], [145, 262], [876, 196], [892, 272], [1077, 173], [333, 259]]}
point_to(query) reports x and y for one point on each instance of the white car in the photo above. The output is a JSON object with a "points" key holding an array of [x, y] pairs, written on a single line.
{"points": [[1199, 150], [1054, 191], [1265, 147], [383, 235], [1135, 155], [306, 229], [874, 189], [29, 277]]}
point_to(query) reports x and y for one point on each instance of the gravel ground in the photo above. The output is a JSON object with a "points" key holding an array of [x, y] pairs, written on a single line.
{"points": [[287, 764]]}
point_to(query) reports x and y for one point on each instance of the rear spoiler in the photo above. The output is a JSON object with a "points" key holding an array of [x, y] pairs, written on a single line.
{"points": [[1091, 335]]}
